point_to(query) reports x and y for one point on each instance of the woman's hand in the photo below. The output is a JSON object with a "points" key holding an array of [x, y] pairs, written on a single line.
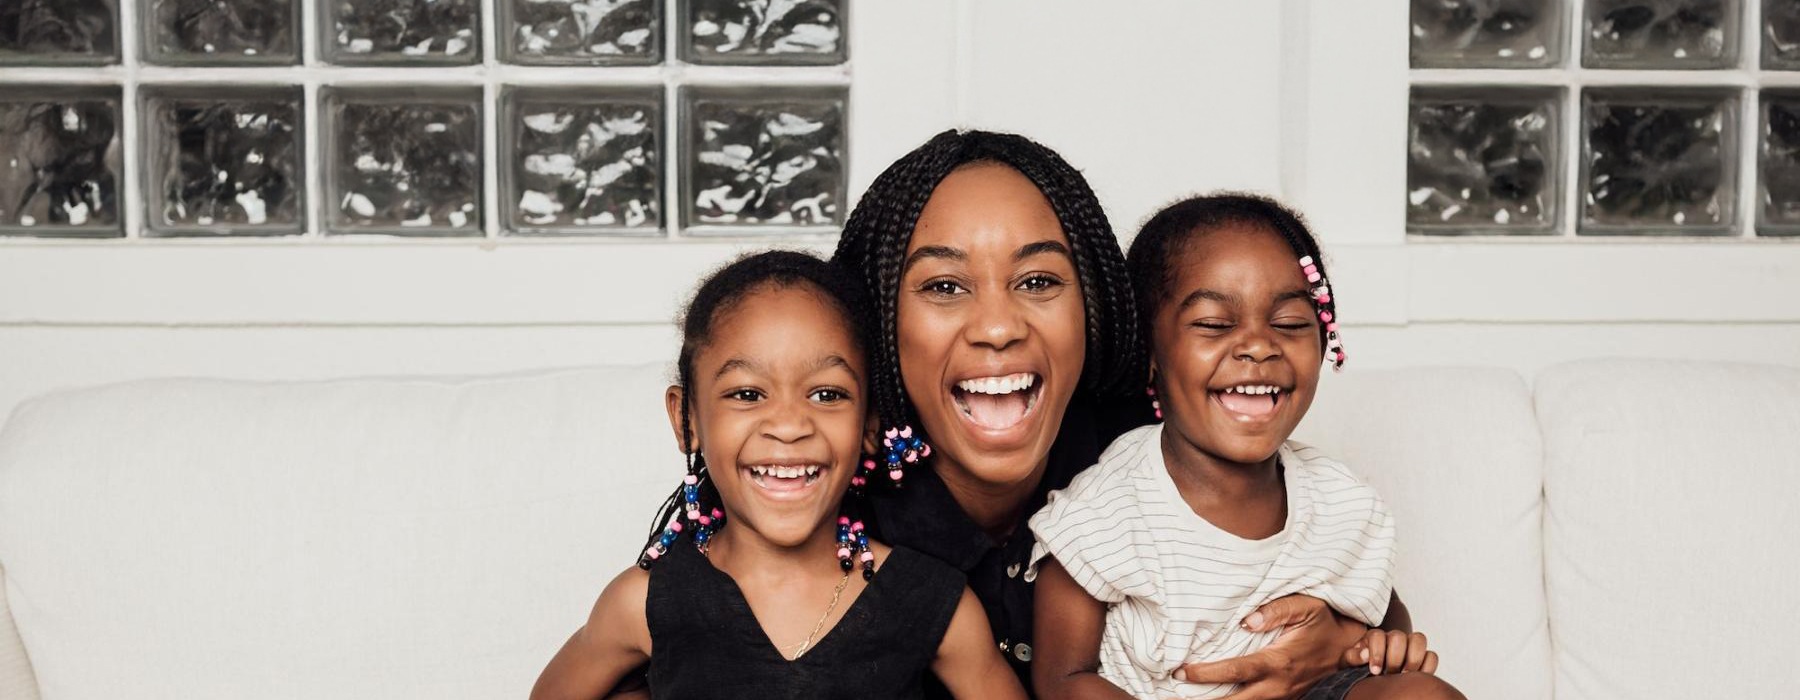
{"points": [[1313, 646]]}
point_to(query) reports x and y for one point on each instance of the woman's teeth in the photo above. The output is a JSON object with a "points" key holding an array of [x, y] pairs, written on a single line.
{"points": [[998, 385], [997, 403], [1254, 389]]}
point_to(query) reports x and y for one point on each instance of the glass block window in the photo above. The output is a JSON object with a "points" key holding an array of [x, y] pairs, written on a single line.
{"points": [[1604, 118], [422, 118], [758, 156]]}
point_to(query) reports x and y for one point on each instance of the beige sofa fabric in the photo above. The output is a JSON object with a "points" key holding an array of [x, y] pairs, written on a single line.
{"points": [[16, 679]]}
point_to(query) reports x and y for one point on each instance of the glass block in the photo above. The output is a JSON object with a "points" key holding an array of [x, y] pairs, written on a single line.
{"points": [[401, 32], [221, 32], [59, 32], [582, 32], [1483, 161], [403, 160], [762, 157], [1781, 35], [224, 160], [786, 32], [1667, 34], [1779, 192], [1493, 34], [1658, 161], [59, 160], [580, 161]]}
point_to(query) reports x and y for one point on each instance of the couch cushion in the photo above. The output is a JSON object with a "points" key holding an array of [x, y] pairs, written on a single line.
{"points": [[1455, 452], [1671, 528], [400, 538]]}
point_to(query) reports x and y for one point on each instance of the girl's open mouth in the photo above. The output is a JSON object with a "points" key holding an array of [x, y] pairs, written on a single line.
{"points": [[784, 479], [1250, 402], [997, 403]]}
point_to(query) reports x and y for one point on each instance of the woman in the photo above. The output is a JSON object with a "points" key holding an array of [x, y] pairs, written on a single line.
{"points": [[1005, 336]]}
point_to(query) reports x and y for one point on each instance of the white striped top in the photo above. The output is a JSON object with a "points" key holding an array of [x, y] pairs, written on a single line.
{"points": [[1178, 587]]}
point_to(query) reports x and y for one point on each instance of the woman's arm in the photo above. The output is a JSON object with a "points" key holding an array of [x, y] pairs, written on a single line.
{"points": [[967, 661], [615, 640], [1312, 646], [1068, 624]]}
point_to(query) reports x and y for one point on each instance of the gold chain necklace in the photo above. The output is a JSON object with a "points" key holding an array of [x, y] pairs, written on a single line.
{"points": [[807, 643]]}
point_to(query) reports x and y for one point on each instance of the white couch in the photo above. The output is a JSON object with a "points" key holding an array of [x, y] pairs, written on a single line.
{"points": [[1625, 529]]}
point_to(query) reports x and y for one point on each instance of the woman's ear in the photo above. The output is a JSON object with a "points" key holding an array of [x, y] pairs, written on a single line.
{"points": [[687, 443]]}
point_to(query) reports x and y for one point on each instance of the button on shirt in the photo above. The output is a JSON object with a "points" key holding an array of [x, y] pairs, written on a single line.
{"points": [[922, 515]]}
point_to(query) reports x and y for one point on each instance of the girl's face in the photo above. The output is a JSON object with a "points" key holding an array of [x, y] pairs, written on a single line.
{"points": [[1236, 344], [778, 411], [991, 324]]}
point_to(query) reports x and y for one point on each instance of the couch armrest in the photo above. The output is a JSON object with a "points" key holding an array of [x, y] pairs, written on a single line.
{"points": [[16, 677]]}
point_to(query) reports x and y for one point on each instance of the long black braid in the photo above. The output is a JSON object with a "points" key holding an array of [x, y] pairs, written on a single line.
{"points": [[1166, 232], [716, 297], [876, 236]]}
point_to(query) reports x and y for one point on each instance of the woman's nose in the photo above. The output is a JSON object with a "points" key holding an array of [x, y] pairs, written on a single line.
{"points": [[996, 322]]}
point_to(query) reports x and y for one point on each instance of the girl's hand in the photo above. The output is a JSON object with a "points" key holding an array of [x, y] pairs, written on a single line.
{"points": [[1306, 652], [1394, 651]]}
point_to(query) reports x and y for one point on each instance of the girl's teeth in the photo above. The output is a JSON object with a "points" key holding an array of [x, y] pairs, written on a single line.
{"points": [[1262, 390]]}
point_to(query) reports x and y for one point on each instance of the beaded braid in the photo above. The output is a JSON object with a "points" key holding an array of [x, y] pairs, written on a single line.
{"points": [[878, 232], [1164, 233]]}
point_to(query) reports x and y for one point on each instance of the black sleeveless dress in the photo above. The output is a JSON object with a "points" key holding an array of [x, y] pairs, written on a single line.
{"points": [[705, 641]]}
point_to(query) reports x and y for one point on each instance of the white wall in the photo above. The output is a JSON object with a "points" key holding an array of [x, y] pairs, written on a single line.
{"points": [[1152, 99]]}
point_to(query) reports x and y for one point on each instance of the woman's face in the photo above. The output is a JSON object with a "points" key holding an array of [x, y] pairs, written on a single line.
{"points": [[991, 324]]}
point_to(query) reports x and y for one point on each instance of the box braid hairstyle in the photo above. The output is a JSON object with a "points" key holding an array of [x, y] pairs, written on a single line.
{"points": [[1170, 229], [696, 501], [875, 238]]}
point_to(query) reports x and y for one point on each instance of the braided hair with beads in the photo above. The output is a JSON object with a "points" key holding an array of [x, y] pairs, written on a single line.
{"points": [[876, 236], [1165, 233]]}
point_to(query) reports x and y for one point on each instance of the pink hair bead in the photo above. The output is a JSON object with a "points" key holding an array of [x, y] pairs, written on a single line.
{"points": [[652, 552], [1325, 316], [705, 520], [843, 552], [895, 474], [690, 480], [675, 526], [1306, 260], [867, 556], [1331, 328]]}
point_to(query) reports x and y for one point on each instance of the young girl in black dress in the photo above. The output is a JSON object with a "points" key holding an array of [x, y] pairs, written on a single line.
{"points": [[793, 599]]}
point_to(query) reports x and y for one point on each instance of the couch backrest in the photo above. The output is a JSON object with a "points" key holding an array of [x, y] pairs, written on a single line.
{"points": [[384, 539], [1455, 453], [411, 538], [1672, 529]]}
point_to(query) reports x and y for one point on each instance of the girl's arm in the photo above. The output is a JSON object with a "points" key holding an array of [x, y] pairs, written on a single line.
{"points": [[615, 640], [1068, 626], [968, 662]]}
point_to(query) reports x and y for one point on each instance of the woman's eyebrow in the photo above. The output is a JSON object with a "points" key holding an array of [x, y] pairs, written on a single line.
{"points": [[1040, 248], [941, 252]]}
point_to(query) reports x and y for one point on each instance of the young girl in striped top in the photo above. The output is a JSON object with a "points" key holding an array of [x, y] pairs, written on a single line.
{"points": [[1154, 557]]}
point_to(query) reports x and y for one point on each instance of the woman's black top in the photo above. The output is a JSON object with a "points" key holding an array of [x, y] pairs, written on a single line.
{"points": [[706, 643], [922, 515]]}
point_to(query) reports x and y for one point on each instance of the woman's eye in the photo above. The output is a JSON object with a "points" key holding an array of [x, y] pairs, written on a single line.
{"points": [[1038, 283], [942, 287], [745, 395]]}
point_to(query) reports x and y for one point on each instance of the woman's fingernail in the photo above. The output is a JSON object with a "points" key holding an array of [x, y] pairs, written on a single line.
{"points": [[1181, 674], [1375, 671], [1254, 621], [1365, 656]]}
